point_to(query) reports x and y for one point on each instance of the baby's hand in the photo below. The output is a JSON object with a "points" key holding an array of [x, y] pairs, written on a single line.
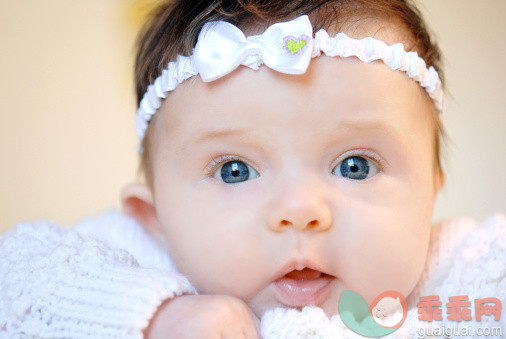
{"points": [[204, 316]]}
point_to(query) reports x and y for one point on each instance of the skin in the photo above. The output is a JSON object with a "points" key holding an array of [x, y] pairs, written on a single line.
{"points": [[232, 239]]}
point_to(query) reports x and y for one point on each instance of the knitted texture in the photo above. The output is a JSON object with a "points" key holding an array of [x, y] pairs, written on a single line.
{"points": [[57, 284], [107, 276]]}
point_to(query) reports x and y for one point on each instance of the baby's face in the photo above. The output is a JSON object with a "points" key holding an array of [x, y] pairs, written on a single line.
{"points": [[260, 173]]}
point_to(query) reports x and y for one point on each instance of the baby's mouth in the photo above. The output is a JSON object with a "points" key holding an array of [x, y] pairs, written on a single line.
{"points": [[303, 288]]}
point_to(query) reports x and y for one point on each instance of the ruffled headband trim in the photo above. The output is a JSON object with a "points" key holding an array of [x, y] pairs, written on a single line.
{"points": [[286, 47]]}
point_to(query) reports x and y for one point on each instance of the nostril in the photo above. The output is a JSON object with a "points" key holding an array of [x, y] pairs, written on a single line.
{"points": [[285, 222], [313, 223]]}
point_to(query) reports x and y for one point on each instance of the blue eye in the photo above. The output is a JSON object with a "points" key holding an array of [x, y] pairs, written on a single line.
{"points": [[355, 168], [235, 171]]}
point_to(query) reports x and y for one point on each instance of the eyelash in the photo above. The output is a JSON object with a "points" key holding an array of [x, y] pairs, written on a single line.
{"points": [[380, 163], [217, 162]]}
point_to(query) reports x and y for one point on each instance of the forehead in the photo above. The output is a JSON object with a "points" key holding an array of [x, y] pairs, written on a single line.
{"points": [[333, 95]]}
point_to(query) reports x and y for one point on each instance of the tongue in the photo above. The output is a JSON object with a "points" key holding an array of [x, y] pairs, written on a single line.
{"points": [[306, 273]]}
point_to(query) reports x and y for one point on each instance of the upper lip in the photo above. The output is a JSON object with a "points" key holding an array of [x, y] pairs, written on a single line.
{"points": [[297, 264]]}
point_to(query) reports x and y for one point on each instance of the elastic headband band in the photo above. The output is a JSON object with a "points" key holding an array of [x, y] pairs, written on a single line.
{"points": [[286, 47]]}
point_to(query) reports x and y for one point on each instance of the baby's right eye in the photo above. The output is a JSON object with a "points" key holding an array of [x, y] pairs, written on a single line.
{"points": [[355, 168], [235, 171]]}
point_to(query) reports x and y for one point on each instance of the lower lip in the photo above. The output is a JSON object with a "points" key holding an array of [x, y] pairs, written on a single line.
{"points": [[301, 292]]}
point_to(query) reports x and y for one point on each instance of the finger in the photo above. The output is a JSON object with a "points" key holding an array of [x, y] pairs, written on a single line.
{"points": [[235, 330], [257, 326], [253, 325]]}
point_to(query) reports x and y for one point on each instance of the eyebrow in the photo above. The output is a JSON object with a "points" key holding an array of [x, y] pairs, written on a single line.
{"points": [[215, 134], [367, 125]]}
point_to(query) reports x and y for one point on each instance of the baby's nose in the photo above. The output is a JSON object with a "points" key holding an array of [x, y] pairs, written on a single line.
{"points": [[314, 224], [300, 208]]}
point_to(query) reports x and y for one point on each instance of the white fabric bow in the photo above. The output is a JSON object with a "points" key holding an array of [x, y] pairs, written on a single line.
{"points": [[285, 47]]}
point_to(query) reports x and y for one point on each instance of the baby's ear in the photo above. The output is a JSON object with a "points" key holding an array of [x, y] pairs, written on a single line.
{"points": [[440, 181], [138, 202]]}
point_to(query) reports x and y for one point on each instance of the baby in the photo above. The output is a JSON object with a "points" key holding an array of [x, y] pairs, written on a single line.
{"points": [[258, 178], [286, 167]]}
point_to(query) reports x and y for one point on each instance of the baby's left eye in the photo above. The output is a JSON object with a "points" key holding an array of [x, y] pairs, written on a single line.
{"points": [[235, 171], [355, 168]]}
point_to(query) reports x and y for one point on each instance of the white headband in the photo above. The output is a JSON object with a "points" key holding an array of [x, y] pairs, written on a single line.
{"points": [[286, 47]]}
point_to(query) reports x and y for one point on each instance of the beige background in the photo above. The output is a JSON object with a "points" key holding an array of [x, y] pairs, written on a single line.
{"points": [[67, 123]]}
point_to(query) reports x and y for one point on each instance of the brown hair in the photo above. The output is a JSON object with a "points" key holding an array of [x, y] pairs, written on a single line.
{"points": [[174, 26]]}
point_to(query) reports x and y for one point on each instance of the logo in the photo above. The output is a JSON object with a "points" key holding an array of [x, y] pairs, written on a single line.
{"points": [[388, 312], [385, 315]]}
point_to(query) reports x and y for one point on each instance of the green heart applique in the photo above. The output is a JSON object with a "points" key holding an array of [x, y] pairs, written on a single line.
{"points": [[294, 46]]}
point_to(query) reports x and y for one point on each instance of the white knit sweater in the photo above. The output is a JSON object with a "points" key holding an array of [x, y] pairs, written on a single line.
{"points": [[106, 277]]}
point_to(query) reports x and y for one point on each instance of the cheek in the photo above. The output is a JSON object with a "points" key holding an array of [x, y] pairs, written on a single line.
{"points": [[213, 234], [381, 241]]}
